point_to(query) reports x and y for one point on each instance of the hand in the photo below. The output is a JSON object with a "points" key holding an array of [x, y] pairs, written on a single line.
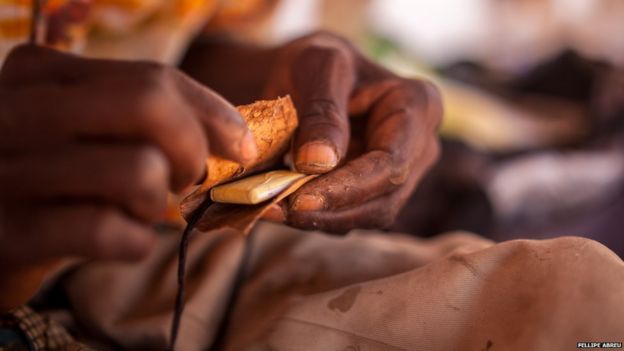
{"points": [[90, 148], [371, 133]]}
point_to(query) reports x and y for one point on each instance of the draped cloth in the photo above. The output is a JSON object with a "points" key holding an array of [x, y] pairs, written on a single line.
{"points": [[366, 291]]}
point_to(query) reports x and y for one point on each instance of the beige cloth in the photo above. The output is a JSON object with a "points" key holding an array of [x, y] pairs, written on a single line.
{"points": [[365, 291]]}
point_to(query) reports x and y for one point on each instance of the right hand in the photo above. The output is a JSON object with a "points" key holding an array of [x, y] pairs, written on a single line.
{"points": [[90, 148]]}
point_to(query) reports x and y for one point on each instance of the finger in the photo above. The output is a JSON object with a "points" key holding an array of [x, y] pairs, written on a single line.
{"points": [[132, 178], [229, 136], [399, 112], [358, 181], [109, 112], [144, 101], [275, 213], [322, 78], [398, 133], [377, 212], [86, 231]]}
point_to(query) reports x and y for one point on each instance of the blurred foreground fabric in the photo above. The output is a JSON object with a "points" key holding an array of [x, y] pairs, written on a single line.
{"points": [[367, 291]]}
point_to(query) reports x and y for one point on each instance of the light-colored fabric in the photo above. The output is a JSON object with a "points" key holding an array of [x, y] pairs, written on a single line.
{"points": [[365, 291]]}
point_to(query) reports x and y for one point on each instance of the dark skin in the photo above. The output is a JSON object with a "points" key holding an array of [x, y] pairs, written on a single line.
{"points": [[369, 131], [90, 148]]}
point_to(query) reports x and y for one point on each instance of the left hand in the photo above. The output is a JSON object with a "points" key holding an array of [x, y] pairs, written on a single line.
{"points": [[371, 133]]}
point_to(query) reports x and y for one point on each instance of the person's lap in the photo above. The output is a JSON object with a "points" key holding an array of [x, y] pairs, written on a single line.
{"points": [[365, 291]]}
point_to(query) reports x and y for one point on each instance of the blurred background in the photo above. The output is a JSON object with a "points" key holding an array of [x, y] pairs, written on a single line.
{"points": [[534, 106]]}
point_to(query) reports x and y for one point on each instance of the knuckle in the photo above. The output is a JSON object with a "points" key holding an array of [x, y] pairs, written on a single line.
{"points": [[323, 113], [103, 222], [149, 169], [320, 34], [322, 48], [412, 89], [323, 37], [148, 181], [324, 55], [320, 51], [427, 94], [148, 98]]}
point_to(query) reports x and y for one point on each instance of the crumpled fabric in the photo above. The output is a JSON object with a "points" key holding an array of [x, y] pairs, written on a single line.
{"points": [[364, 291]]}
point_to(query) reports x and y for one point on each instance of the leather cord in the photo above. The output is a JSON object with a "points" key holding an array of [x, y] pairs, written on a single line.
{"points": [[234, 291]]}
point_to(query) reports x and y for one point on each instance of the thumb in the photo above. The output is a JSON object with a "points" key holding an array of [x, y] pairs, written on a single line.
{"points": [[322, 81]]}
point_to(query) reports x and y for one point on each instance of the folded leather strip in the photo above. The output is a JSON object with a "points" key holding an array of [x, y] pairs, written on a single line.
{"points": [[272, 123], [242, 217]]}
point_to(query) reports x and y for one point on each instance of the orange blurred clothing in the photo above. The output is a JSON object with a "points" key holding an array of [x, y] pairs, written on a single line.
{"points": [[156, 30]]}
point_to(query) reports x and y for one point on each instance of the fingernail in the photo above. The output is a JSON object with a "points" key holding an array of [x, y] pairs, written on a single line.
{"points": [[275, 213], [316, 157], [248, 149], [307, 203]]}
